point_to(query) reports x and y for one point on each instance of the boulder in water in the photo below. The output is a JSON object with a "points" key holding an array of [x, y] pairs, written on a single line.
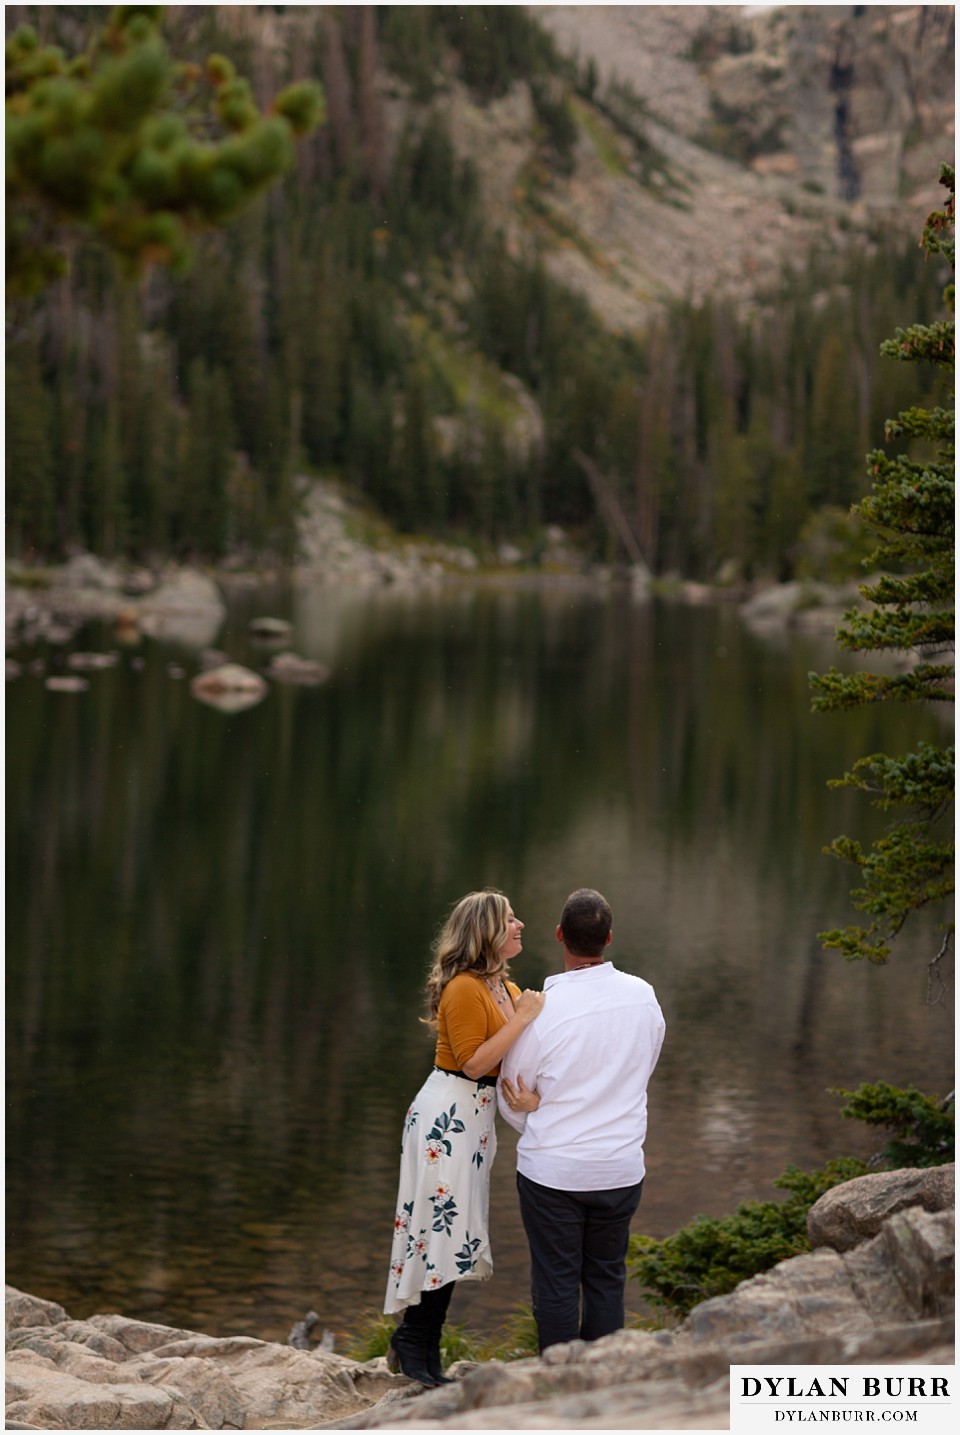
{"points": [[231, 688]]}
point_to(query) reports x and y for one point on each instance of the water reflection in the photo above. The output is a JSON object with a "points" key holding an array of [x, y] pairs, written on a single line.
{"points": [[218, 927]]}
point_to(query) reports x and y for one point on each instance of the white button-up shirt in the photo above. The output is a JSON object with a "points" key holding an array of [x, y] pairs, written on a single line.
{"points": [[590, 1054]]}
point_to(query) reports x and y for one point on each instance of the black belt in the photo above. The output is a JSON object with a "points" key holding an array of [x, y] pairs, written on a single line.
{"points": [[477, 1080]]}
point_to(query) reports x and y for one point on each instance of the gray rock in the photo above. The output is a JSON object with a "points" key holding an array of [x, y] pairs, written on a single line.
{"points": [[636, 1380], [509, 553], [799, 604], [920, 1250], [140, 581], [901, 1275], [211, 658], [58, 633], [111, 1373], [185, 608], [136, 1336], [84, 570], [890, 1300], [57, 1400], [854, 1212], [231, 688], [271, 629], [28, 1310], [289, 668], [92, 662], [328, 554], [67, 684]]}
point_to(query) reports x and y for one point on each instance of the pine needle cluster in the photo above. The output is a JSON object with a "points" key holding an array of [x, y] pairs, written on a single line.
{"points": [[126, 143]]}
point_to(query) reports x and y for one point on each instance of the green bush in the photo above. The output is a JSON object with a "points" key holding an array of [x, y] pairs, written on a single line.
{"points": [[922, 1126], [710, 1257]]}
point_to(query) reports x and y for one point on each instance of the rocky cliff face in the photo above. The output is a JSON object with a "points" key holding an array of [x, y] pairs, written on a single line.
{"points": [[757, 134], [855, 101]]}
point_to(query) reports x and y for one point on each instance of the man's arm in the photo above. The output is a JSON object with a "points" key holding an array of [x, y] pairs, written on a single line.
{"points": [[521, 1060]]}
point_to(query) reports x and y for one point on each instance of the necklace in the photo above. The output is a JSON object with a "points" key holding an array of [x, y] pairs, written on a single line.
{"points": [[497, 990]]}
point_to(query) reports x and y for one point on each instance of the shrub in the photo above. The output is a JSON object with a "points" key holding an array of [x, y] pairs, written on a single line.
{"points": [[922, 1126], [710, 1257]]}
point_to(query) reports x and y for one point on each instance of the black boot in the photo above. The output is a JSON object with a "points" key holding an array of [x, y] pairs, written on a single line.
{"points": [[408, 1353], [434, 1362], [432, 1314], [415, 1344]]}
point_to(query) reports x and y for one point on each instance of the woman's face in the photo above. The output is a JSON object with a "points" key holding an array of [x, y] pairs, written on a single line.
{"points": [[513, 946]]}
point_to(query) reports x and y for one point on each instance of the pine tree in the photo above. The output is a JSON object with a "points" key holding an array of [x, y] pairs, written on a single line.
{"points": [[833, 454], [370, 105], [207, 461], [118, 142], [109, 516], [30, 498], [336, 80], [911, 510]]}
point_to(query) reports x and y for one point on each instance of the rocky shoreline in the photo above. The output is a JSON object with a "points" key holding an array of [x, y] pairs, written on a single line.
{"points": [[877, 1288], [339, 545]]}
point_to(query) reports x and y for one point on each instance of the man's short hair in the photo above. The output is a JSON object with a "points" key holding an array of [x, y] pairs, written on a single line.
{"points": [[585, 923]]}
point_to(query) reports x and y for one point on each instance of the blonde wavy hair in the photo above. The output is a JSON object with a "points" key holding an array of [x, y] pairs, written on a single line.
{"points": [[470, 940]]}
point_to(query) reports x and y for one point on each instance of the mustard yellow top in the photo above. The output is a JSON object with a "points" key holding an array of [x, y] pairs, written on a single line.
{"points": [[467, 1016]]}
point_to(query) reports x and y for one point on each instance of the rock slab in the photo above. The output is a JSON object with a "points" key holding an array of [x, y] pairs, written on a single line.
{"points": [[888, 1300], [854, 1212], [111, 1373]]}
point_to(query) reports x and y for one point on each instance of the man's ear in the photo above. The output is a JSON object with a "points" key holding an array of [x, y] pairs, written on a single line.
{"points": [[559, 933], [609, 938]]}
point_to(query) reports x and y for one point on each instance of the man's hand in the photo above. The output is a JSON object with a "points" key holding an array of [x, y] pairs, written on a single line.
{"points": [[519, 1097]]}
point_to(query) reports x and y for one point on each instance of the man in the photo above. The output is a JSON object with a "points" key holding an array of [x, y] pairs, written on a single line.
{"points": [[580, 1169]]}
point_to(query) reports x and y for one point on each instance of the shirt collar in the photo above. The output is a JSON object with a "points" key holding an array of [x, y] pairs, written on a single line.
{"points": [[588, 974]]}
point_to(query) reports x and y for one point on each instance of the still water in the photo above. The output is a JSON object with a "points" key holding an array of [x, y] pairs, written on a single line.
{"points": [[218, 928]]}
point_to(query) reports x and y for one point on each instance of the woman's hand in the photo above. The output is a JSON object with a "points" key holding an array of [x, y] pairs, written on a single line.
{"points": [[520, 1097], [492, 1051], [529, 1005]]}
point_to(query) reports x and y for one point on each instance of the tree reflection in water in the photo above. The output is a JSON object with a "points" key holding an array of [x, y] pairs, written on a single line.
{"points": [[218, 930]]}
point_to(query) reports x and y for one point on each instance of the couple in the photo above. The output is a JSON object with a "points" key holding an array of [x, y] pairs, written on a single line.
{"points": [[576, 1059]]}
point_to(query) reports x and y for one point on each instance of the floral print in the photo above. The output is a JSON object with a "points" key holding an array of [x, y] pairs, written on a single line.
{"points": [[465, 1255], [481, 1151], [443, 1127], [440, 1226]]}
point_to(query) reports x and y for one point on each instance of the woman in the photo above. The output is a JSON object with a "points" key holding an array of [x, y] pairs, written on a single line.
{"points": [[449, 1142]]}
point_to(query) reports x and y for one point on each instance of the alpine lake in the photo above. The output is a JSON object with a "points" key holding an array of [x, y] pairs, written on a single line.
{"points": [[218, 927]]}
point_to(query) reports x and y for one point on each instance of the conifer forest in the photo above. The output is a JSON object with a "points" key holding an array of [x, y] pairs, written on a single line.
{"points": [[365, 319]]}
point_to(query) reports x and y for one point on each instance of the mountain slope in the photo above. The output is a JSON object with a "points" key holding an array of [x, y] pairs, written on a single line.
{"points": [[717, 148]]}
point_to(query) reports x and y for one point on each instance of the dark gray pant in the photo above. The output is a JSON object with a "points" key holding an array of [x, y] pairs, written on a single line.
{"points": [[578, 1246]]}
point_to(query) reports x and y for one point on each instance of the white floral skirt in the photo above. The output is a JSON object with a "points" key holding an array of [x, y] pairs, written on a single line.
{"points": [[440, 1229]]}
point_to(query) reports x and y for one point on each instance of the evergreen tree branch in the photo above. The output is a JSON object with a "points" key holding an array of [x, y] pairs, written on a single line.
{"points": [[911, 510], [103, 143]]}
